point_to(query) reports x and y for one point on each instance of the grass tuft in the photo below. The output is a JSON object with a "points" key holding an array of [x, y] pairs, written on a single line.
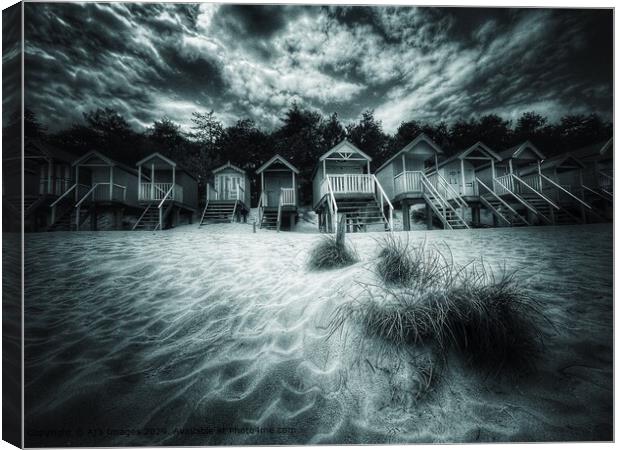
{"points": [[429, 301], [330, 253]]}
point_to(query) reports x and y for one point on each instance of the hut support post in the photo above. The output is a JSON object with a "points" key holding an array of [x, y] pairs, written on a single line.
{"points": [[49, 176], [111, 181], [152, 181], [77, 181], [462, 185], [406, 216], [139, 182], [174, 189], [429, 217]]}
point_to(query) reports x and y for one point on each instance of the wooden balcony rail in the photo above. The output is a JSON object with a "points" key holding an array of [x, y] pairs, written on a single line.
{"points": [[348, 184], [287, 196], [158, 191], [408, 181]]}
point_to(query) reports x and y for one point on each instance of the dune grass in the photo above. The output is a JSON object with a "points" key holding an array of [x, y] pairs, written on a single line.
{"points": [[331, 253], [427, 300]]}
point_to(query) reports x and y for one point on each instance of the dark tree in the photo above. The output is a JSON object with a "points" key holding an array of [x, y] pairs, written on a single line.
{"points": [[368, 136], [332, 132]]}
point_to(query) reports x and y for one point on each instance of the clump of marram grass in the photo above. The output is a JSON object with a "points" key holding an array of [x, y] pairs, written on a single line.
{"points": [[331, 253], [402, 264], [492, 322]]}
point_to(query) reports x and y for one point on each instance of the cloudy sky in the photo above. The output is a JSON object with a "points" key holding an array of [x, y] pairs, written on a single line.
{"points": [[153, 60]]}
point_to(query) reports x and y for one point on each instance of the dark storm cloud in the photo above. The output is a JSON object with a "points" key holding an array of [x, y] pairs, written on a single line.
{"points": [[150, 60]]}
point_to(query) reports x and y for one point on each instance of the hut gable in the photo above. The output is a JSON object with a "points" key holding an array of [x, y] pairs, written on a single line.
{"points": [[345, 151], [525, 150], [277, 163], [230, 167], [422, 147], [158, 159]]}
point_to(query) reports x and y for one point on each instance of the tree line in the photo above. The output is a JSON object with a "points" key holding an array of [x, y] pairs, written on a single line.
{"points": [[302, 137]]}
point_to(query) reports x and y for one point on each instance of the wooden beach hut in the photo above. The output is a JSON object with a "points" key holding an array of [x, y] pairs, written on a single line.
{"points": [[342, 184], [561, 179], [455, 179], [598, 174], [277, 204], [228, 196], [411, 177], [104, 192], [167, 194], [520, 184], [509, 195], [47, 175]]}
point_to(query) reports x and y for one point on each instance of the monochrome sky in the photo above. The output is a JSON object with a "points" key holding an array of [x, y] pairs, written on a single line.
{"points": [[153, 60]]}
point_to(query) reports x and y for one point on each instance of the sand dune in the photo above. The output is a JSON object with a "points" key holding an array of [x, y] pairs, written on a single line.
{"points": [[218, 336]]}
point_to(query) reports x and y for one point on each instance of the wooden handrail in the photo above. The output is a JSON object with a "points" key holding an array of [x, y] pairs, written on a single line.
{"points": [[383, 195], [510, 208], [444, 203], [457, 196], [333, 205], [540, 194], [67, 193], [583, 186], [564, 190], [522, 201], [141, 216], [92, 189], [260, 209], [165, 196]]}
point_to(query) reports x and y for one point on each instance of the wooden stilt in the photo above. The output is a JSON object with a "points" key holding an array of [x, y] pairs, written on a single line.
{"points": [[406, 216]]}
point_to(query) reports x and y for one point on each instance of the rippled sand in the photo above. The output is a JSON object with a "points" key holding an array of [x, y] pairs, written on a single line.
{"points": [[217, 336]]}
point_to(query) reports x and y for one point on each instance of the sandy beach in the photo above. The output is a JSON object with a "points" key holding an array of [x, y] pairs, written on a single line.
{"points": [[218, 335]]}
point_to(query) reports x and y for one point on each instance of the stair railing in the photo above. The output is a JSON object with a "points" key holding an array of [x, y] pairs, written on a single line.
{"points": [[279, 220], [141, 216], [442, 201], [566, 191], [605, 182], [331, 202], [161, 203], [59, 199], [448, 187], [504, 204], [261, 207], [207, 198], [538, 193], [583, 186], [497, 181], [383, 198]]}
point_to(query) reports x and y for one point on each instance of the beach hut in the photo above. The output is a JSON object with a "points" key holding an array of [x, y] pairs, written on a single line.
{"points": [[561, 179], [514, 194], [404, 177], [47, 175], [277, 204], [167, 194], [103, 193], [455, 179], [598, 175], [598, 171], [228, 196], [342, 184]]}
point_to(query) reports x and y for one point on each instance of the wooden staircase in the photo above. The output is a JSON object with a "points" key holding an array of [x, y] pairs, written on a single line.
{"points": [[443, 209], [503, 212], [269, 220], [66, 220], [220, 212], [361, 214], [149, 220]]}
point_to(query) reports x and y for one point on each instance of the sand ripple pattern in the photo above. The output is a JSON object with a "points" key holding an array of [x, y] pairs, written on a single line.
{"points": [[193, 330]]}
